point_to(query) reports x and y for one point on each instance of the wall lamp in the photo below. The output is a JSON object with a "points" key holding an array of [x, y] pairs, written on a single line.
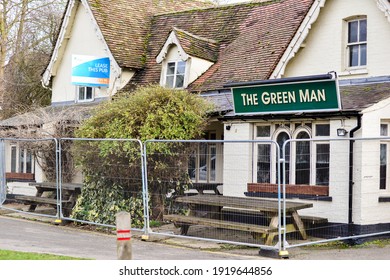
{"points": [[341, 132], [228, 127]]}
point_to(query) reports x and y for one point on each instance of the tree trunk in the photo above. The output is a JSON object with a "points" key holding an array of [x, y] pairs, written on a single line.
{"points": [[157, 200]]}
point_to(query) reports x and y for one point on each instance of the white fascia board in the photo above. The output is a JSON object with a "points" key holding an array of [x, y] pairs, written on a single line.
{"points": [[298, 39], [65, 28], [172, 39], [117, 69], [59, 43], [384, 6]]}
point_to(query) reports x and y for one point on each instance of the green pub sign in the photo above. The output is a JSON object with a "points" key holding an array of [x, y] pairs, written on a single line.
{"points": [[307, 96]]}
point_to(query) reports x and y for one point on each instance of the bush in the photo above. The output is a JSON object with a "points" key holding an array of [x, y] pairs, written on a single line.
{"points": [[150, 112]]}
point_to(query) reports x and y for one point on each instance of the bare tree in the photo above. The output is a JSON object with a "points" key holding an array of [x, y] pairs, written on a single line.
{"points": [[28, 30]]}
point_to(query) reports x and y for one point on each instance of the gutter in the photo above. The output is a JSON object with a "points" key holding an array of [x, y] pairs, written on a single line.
{"points": [[351, 182]]}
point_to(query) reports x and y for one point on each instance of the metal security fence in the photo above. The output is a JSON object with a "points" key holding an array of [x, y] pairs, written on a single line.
{"points": [[110, 172], [346, 182], [199, 189], [22, 164], [267, 194]]}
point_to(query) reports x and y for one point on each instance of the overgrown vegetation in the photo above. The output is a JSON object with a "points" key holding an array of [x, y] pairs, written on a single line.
{"points": [[112, 168]]}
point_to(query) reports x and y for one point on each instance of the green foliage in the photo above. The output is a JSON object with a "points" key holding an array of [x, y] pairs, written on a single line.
{"points": [[150, 112], [111, 167], [99, 203]]}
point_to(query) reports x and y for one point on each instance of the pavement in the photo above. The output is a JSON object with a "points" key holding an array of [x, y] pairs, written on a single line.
{"points": [[21, 233]]}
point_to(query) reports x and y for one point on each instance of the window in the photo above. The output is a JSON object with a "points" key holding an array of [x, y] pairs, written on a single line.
{"points": [[302, 161], [384, 156], [21, 160], [85, 94], [322, 129], [357, 43], [203, 162], [306, 162], [281, 138], [322, 164], [175, 74]]}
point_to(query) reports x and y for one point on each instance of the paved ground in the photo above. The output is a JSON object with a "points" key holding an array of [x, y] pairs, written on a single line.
{"points": [[37, 236]]}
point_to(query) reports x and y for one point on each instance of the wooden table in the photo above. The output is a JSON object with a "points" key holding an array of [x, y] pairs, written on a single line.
{"points": [[207, 210], [69, 194]]}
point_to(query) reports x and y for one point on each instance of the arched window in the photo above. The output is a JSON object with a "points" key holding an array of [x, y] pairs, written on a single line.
{"points": [[302, 159], [281, 138]]}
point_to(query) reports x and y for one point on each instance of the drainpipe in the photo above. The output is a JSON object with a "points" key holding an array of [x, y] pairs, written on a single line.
{"points": [[351, 183]]}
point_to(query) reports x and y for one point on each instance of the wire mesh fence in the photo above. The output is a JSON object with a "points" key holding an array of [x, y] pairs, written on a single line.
{"points": [[285, 193], [347, 183], [23, 162], [110, 173], [198, 189]]}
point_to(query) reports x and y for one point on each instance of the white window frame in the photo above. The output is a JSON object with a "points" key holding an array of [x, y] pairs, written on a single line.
{"points": [[176, 62], [387, 143], [358, 43], [292, 133], [16, 166], [85, 99], [205, 169], [272, 169]]}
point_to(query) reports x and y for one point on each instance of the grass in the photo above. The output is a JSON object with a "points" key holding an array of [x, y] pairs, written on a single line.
{"points": [[14, 255], [342, 245]]}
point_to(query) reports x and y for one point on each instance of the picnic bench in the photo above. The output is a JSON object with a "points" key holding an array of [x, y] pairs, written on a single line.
{"points": [[47, 194], [208, 210]]}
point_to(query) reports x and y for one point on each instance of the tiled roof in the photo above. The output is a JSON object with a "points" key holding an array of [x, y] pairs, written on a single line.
{"points": [[360, 97], [125, 24], [40, 116], [252, 37]]}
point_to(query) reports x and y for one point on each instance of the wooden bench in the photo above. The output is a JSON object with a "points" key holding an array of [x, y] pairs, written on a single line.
{"points": [[207, 210], [69, 194], [184, 223]]}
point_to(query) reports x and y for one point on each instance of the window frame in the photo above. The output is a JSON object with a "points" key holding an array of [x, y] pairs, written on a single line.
{"points": [[384, 143], [85, 99], [19, 163], [211, 160], [359, 43], [293, 132], [175, 74]]}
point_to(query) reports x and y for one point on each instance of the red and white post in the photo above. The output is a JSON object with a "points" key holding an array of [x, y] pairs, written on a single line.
{"points": [[123, 233]]}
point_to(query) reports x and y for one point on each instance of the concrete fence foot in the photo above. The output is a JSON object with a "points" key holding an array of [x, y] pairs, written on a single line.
{"points": [[123, 233]]}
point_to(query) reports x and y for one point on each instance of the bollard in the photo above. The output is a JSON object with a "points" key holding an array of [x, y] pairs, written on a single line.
{"points": [[123, 233]]}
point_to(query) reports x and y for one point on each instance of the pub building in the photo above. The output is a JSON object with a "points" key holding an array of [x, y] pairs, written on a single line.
{"points": [[346, 180]]}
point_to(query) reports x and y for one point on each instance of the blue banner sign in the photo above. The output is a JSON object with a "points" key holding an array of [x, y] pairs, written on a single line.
{"points": [[90, 71]]}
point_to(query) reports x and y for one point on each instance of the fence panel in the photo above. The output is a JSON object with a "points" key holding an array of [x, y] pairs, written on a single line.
{"points": [[23, 163], [109, 173], [347, 183], [199, 189]]}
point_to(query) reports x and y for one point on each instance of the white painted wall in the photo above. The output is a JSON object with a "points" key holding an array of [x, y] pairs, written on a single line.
{"points": [[325, 47], [84, 40], [237, 169], [195, 67]]}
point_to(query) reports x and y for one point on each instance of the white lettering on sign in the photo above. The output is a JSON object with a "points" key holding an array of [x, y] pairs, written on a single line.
{"points": [[312, 96], [249, 99], [280, 97]]}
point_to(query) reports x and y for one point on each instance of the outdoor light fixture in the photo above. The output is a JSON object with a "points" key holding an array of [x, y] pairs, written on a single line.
{"points": [[341, 132], [228, 127]]}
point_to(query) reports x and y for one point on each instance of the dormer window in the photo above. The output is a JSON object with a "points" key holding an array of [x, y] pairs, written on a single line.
{"points": [[175, 74], [357, 42], [184, 57]]}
